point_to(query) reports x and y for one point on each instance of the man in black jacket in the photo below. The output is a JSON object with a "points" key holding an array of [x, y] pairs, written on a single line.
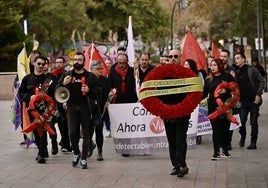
{"points": [[61, 109], [176, 129], [32, 81], [144, 66], [122, 78], [251, 85], [81, 85]]}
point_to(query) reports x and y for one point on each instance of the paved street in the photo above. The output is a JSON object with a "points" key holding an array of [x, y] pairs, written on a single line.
{"points": [[246, 168]]}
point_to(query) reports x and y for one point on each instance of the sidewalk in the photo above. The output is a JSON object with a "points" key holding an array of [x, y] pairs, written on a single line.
{"points": [[246, 168]]}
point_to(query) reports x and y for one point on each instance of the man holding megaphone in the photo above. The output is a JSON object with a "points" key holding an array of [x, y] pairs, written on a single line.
{"points": [[82, 92]]}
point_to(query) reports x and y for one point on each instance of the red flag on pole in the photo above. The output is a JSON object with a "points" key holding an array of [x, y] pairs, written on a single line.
{"points": [[215, 51], [92, 54], [192, 50]]}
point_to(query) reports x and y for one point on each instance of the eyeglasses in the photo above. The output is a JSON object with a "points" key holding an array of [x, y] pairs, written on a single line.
{"points": [[59, 61], [99, 69], [171, 56], [121, 62], [43, 64]]}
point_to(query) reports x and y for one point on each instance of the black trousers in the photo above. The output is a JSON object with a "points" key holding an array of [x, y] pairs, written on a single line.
{"points": [[98, 133], [63, 127], [41, 142], [79, 115], [176, 131], [252, 109], [220, 133]]}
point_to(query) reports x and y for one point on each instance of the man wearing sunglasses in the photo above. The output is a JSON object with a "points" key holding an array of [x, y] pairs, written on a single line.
{"points": [[176, 130], [30, 82], [174, 57]]}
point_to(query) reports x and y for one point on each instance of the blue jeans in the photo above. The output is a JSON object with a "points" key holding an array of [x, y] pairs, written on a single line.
{"points": [[252, 109]]}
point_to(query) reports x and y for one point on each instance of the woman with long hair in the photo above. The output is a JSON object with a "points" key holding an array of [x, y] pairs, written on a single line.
{"points": [[221, 124]]}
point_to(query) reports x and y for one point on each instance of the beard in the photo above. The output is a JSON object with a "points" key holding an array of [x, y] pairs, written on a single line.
{"points": [[78, 66]]}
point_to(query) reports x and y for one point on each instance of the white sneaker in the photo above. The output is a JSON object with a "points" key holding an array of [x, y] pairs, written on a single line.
{"points": [[108, 135]]}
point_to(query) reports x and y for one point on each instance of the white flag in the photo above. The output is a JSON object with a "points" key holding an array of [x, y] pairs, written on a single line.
{"points": [[130, 46]]}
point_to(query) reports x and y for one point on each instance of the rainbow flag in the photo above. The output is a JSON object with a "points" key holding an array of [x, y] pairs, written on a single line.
{"points": [[15, 115], [25, 123], [18, 112], [23, 68]]}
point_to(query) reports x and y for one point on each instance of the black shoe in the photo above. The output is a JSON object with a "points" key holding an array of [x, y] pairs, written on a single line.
{"points": [[174, 171], [183, 171], [75, 160], [46, 154], [242, 142], [91, 149], [216, 156], [23, 142], [225, 154], [54, 149], [99, 156], [40, 159], [83, 164], [125, 155], [252, 146], [198, 140]]}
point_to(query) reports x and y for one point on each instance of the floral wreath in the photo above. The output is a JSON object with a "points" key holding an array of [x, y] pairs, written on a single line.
{"points": [[169, 111], [47, 105], [225, 108]]}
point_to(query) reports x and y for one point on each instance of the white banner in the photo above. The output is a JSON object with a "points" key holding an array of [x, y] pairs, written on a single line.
{"points": [[136, 131]]}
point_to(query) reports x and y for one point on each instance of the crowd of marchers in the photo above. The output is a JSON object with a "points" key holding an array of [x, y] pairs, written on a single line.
{"points": [[85, 112]]}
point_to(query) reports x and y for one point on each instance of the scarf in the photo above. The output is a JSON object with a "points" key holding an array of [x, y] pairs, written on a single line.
{"points": [[56, 72], [123, 74]]}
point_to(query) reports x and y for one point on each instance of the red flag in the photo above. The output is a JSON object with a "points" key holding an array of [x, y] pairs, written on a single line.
{"points": [[215, 51], [92, 54], [192, 50]]}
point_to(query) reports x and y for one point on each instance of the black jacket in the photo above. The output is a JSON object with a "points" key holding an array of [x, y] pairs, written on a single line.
{"points": [[31, 81], [76, 96], [211, 85], [115, 79]]}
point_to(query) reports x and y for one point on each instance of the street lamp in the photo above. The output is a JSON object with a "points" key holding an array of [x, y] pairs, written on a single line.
{"points": [[181, 5], [171, 25]]}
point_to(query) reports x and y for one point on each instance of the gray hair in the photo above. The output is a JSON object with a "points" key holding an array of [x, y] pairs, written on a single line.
{"points": [[94, 64]]}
